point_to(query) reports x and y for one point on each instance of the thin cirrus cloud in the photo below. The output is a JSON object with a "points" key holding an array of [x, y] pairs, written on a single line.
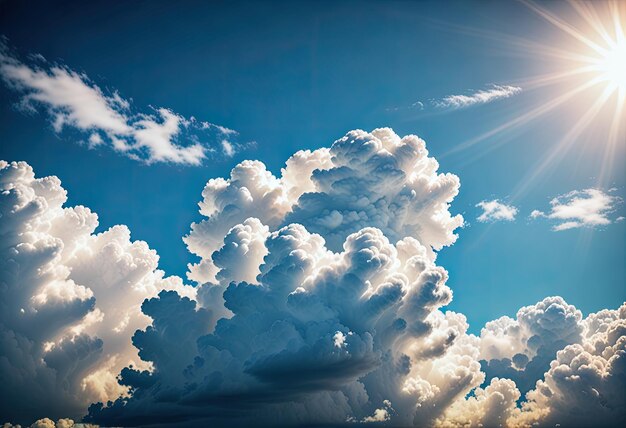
{"points": [[581, 208], [455, 102], [495, 210], [483, 96], [73, 101]]}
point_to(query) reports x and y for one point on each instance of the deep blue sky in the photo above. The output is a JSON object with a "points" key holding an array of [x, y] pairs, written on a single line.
{"points": [[293, 76]]}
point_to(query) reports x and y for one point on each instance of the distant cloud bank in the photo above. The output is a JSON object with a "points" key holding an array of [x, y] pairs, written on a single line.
{"points": [[105, 118]]}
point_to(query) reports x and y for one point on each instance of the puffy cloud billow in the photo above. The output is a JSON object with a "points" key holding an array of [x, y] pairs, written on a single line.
{"points": [[318, 301], [70, 299]]}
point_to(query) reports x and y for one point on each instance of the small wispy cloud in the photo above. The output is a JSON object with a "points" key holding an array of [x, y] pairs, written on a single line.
{"points": [[581, 208], [484, 96], [496, 211], [73, 101]]}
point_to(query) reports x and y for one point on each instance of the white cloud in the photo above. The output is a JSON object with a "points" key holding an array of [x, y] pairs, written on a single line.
{"points": [[380, 415], [222, 129], [495, 92], [72, 100], [228, 148], [496, 211], [580, 208]]}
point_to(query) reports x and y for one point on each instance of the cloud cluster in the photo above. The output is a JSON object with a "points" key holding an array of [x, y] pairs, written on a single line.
{"points": [[74, 101], [495, 210], [69, 299], [521, 349], [484, 96], [319, 301], [582, 387], [580, 208], [49, 423]]}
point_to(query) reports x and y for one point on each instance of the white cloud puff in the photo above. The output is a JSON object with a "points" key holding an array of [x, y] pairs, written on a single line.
{"points": [[70, 299], [72, 100], [580, 208], [495, 210]]}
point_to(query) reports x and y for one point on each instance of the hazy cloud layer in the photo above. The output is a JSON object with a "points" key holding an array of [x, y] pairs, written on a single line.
{"points": [[496, 211], [105, 118], [319, 301], [484, 96], [581, 208]]}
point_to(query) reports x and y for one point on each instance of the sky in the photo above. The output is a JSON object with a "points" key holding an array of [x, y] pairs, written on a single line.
{"points": [[163, 98]]}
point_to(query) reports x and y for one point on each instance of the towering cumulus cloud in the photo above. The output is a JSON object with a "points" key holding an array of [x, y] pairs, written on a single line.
{"points": [[69, 299], [328, 296], [318, 301]]}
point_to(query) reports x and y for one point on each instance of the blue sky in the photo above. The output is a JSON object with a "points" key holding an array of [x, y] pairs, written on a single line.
{"points": [[298, 76], [274, 247]]}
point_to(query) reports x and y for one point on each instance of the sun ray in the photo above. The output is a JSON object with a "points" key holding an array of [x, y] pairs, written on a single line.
{"points": [[561, 148], [564, 26], [520, 120], [615, 132]]}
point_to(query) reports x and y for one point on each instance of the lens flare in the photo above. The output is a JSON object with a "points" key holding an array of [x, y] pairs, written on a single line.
{"points": [[588, 69]]}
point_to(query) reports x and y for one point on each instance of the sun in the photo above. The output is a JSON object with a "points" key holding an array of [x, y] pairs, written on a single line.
{"points": [[612, 66], [610, 63]]}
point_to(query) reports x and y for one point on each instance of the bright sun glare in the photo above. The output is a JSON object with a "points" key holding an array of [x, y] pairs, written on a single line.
{"points": [[612, 66]]}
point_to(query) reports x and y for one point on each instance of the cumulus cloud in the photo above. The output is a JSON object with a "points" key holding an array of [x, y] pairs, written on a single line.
{"points": [[484, 96], [70, 299], [581, 208], [496, 211], [521, 349], [585, 383], [73, 101], [319, 301]]}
